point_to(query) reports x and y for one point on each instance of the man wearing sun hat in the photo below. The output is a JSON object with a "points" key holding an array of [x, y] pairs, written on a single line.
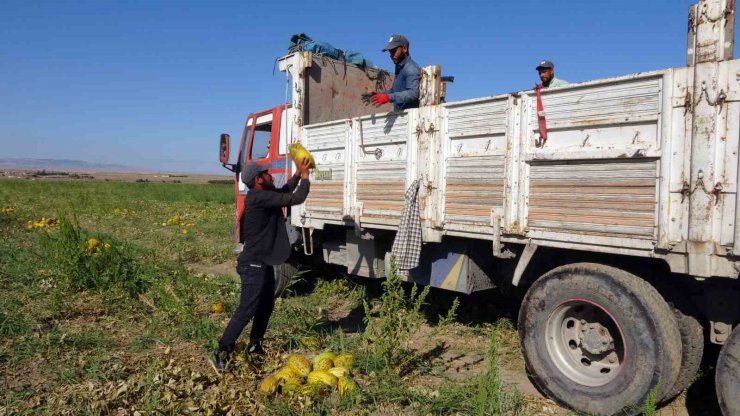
{"points": [[404, 93]]}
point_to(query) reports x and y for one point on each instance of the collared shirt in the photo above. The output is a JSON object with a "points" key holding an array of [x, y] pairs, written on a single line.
{"points": [[405, 91], [557, 83]]}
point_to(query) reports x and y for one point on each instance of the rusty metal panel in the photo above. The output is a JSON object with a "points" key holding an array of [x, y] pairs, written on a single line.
{"points": [[728, 121], [614, 197], [333, 90]]}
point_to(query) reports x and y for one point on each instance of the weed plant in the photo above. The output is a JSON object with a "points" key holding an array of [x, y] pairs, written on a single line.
{"points": [[394, 319], [492, 397], [651, 402], [451, 315]]}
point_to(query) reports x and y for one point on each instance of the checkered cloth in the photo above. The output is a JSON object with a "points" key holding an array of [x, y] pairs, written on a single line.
{"points": [[407, 245]]}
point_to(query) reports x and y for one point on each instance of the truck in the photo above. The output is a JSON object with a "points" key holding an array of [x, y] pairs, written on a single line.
{"points": [[612, 204]]}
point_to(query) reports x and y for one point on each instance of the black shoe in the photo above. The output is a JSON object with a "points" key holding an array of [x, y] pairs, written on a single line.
{"points": [[219, 360], [255, 348]]}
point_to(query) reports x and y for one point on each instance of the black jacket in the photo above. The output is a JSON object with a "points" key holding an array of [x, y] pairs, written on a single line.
{"points": [[263, 223]]}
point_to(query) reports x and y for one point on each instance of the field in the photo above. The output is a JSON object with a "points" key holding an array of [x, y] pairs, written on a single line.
{"points": [[106, 295]]}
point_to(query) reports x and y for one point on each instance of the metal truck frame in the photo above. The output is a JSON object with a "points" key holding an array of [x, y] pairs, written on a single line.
{"points": [[620, 220]]}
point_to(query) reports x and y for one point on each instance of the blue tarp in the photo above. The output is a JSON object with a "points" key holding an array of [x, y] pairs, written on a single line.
{"points": [[302, 42]]}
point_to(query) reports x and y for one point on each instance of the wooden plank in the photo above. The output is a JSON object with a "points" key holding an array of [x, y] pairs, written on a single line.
{"points": [[647, 206], [647, 190], [593, 219], [590, 182]]}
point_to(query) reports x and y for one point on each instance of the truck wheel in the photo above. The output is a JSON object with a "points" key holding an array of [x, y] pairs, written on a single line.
{"points": [[283, 274], [727, 375], [692, 350], [598, 339]]}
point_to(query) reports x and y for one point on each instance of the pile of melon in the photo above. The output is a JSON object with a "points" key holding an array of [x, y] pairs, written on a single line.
{"points": [[299, 375]]}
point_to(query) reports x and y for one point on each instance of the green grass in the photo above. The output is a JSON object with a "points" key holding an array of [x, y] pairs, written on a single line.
{"points": [[13, 321], [649, 408], [133, 321]]}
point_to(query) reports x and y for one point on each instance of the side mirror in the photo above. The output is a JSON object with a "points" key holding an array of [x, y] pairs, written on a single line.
{"points": [[224, 148]]}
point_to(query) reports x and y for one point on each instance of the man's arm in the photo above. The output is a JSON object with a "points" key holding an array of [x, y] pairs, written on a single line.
{"points": [[283, 199], [291, 184], [411, 93], [297, 190]]}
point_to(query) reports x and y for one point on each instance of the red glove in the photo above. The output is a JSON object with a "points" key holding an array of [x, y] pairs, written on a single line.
{"points": [[380, 99]]}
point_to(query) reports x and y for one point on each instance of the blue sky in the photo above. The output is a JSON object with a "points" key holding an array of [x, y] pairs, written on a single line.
{"points": [[153, 83]]}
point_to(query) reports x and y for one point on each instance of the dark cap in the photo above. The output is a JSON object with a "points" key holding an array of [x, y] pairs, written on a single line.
{"points": [[396, 41], [251, 170], [545, 65]]}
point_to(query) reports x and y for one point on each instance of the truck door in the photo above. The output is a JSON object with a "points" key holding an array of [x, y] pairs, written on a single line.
{"points": [[262, 142], [255, 146]]}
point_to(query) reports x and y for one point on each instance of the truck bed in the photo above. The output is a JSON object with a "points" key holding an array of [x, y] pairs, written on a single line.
{"points": [[611, 176]]}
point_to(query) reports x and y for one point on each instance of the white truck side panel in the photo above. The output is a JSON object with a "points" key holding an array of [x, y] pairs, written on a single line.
{"points": [[328, 143], [475, 145], [614, 176], [382, 168]]}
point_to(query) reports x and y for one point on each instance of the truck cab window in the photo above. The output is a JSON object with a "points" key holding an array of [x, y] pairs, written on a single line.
{"points": [[261, 141]]}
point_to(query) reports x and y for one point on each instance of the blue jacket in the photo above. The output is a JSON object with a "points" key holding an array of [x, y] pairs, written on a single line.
{"points": [[405, 91]]}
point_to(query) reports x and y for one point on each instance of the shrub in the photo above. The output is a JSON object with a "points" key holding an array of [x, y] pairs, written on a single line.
{"points": [[88, 263], [392, 322], [493, 397]]}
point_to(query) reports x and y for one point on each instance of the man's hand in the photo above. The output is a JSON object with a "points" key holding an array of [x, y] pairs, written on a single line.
{"points": [[302, 168], [380, 99]]}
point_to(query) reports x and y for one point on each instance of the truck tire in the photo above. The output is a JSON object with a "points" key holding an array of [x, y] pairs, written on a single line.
{"points": [[727, 375], [283, 274], [598, 339], [692, 351]]}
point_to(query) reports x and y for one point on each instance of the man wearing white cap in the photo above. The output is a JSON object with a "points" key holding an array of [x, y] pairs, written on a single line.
{"points": [[405, 91]]}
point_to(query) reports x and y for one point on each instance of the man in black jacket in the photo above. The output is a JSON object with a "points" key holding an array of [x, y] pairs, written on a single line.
{"points": [[265, 244]]}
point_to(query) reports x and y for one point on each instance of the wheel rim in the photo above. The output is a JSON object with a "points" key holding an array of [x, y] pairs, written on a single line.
{"points": [[585, 342]]}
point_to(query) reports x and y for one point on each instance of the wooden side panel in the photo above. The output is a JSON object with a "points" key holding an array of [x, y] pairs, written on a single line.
{"points": [[475, 185], [615, 197]]}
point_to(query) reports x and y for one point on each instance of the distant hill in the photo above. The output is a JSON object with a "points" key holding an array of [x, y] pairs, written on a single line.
{"points": [[65, 164]]}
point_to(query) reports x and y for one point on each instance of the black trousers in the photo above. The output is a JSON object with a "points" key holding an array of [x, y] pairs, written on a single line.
{"points": [[257, 300]]}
